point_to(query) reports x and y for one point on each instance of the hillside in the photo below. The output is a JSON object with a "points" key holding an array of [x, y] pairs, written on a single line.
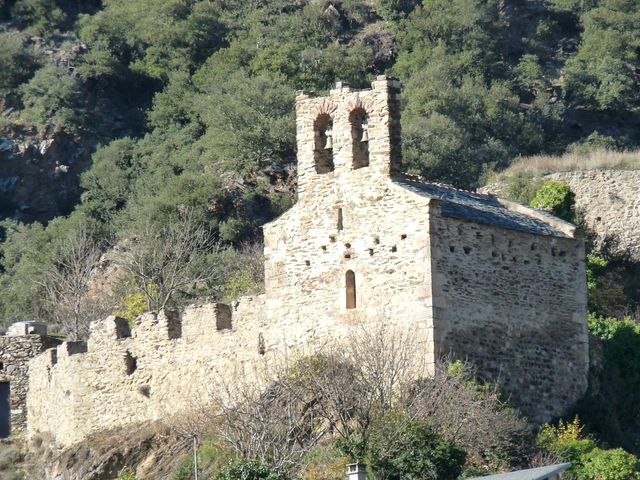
{"points": [[127, 126], [191, 108]]}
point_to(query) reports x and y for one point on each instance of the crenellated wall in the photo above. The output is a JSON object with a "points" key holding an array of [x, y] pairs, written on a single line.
{"points": [[163, 365]]}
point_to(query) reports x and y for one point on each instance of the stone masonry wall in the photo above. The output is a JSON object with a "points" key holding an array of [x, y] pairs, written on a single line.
{"points": [[15, 353], [351, 219], [609, 201], [514, 305]]}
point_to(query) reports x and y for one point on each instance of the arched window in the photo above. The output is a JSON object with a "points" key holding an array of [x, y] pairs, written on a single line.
{"points": [[360, 138], [351, 289], [323, 147]]}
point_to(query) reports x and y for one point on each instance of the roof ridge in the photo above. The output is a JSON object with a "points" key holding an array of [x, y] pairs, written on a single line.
{"points": [[448, 186]]}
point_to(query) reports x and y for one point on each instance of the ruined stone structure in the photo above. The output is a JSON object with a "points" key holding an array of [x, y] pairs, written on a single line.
{"points": [[485, 279], [22, 342]]}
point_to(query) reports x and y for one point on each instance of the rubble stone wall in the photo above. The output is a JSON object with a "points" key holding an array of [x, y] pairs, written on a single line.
{"points": [[609, 202], [15, 353], [514, 305], [166, 365]]}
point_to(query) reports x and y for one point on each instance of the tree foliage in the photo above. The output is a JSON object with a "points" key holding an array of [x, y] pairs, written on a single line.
{"points": [[556, 197], [54, 97], [17, 63]]}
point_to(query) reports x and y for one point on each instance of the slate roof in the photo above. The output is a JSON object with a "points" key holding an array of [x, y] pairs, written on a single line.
{"points": [[479, 208], [541, 473]]}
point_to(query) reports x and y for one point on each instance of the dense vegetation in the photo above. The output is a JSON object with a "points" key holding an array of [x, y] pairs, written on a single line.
{"points": [[190, 105]]}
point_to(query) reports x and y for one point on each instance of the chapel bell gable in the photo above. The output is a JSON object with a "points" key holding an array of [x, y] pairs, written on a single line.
{"points": [[348, 131]]}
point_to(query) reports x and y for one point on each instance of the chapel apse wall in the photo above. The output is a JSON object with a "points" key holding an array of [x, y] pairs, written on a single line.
{"points": [[514, 305]]}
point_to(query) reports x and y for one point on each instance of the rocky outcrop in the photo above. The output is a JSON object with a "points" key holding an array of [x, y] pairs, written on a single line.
{"points": [[40, 172]]}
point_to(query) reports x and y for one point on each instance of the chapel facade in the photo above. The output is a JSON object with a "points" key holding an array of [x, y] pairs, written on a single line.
{"points": [[472, 275]]}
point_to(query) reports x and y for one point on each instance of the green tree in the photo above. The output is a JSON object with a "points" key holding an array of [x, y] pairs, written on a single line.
{"points": [[17, 63], [43, 16], [602, 73], [249, 123], [178, 36], [247, 470], [54, 96], [108, 183]]}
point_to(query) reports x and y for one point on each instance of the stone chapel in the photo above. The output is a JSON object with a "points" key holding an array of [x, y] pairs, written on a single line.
{"points": [[464, 274]]}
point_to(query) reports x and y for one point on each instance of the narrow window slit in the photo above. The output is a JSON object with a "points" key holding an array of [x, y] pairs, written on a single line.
{"points": [[350, 282]]}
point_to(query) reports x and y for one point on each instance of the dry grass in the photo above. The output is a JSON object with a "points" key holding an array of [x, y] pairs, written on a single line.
{"points": [[595, 159]]}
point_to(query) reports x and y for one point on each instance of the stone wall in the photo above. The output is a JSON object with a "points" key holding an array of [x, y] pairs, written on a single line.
{"points": [[515, 306], [609, 201], [164, 365], [15, 353]]}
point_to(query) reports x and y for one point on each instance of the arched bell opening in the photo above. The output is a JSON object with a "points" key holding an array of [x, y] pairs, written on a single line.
{"points": [[360, 138], [323, 147]]}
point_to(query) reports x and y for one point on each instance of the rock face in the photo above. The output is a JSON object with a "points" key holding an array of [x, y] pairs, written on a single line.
{"points": [[365, 247], [40, 174]]}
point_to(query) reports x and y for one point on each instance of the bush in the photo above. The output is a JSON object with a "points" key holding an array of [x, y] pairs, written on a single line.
{"points": [[54, 96], [133, 306], [566, 440], [43, 16], [247, 470], [17, 63], [608, 465], [556, 197], [400, 450]]}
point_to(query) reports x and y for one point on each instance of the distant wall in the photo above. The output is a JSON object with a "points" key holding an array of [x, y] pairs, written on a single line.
{"points": [[514, 305], [15, 353], [609, 200]]}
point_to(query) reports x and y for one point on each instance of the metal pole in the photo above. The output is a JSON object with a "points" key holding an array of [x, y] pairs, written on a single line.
{"points": [[195, 457]]}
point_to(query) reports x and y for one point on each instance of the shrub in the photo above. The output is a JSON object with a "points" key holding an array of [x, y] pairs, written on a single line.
{"points": [[54, 96], [566, 440], [522, 187], [401, 450], [44, 16], [133, 305], [247, 470], [17, 63], [556, 197], [608, 465]]}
